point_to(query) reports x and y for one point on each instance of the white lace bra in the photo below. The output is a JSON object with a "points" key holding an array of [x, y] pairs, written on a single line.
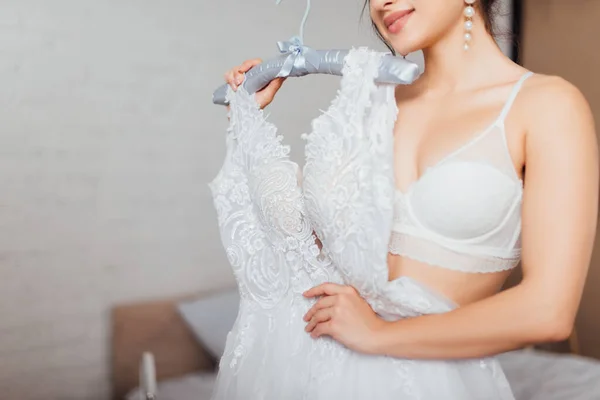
{"points": [[464, 212]]}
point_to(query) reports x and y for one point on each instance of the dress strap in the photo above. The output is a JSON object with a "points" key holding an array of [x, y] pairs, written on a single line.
{"points": [[513, 96]]}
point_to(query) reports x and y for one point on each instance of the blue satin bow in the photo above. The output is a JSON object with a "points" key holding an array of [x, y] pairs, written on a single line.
{"points": [[298, 56]]}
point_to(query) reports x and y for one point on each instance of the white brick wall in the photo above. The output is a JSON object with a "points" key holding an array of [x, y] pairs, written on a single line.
{"points": [[107, 140]]}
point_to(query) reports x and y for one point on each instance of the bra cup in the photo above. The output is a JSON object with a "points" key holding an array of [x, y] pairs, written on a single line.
{"points": [[463, 200]]}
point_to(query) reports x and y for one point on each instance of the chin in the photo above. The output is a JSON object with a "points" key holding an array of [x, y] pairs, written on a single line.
{"points": [[405, 49], [406, 45]]}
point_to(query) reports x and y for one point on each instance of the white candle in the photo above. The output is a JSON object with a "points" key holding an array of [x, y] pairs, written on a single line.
{"points": [[148, 376]]}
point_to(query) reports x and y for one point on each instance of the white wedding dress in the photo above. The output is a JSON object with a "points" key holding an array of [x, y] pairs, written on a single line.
{"points": [[268, 214]]}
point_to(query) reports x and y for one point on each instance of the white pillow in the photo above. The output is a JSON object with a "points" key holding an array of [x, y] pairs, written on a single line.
{"points": [[211, 318], [539, 375]]}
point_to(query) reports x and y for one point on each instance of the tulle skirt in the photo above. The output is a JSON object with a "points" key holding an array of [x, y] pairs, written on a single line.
{"points": [[269, 356]]}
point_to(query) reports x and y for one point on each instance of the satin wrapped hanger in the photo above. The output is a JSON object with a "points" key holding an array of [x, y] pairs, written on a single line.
{"points": [[299, 60]]}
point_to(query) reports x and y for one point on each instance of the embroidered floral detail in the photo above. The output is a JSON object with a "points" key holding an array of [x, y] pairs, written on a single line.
{"points": [[269, 226]]}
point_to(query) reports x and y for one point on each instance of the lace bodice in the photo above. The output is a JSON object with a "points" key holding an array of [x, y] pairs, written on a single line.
{"points": [[269, 216]]}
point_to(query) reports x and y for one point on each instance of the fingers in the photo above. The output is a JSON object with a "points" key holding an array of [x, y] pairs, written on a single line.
{"points": [[325, 302], [325, 328], [238, 78], [265, 95], [329, 289], [230, 78], [273, 87], [246, 65], [320, 317], [235, 76]]}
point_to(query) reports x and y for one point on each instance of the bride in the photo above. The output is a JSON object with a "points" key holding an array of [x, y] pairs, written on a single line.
{"points": [[493, 165]]}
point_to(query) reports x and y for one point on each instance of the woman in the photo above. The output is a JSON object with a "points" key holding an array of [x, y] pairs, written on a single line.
{"points": [[538, 131]]}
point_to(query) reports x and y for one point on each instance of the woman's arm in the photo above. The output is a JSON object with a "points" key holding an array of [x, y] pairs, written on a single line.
{"points": [[559, 215]]}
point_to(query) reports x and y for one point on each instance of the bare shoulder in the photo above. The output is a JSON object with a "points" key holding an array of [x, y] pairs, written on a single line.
{"points": [[545, 87], [557, 111], [551, 99]]}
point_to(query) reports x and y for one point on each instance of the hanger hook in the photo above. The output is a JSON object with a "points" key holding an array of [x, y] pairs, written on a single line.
{"points": [[304, 19]]}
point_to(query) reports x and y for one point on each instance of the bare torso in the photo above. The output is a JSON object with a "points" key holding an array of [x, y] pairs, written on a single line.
{"points": [[428, 128]]}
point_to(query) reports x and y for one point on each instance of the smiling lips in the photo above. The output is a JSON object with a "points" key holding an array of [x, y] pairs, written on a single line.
{"points": [[397, 20]]}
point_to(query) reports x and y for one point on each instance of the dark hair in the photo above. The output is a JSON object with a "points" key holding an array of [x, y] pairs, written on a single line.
{"points": [[488, 9]]}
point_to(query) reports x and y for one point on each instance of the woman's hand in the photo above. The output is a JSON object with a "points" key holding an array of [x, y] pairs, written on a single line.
{"points": [[344, 315], [235, 76]]}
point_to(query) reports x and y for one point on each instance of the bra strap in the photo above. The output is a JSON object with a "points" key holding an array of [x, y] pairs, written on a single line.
{"points": [[513, 96]]}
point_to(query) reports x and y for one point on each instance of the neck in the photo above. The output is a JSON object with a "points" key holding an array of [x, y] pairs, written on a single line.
{"points": [[449, 67]]}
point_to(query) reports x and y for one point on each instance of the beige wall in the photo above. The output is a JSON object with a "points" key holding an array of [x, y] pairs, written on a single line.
{"points": [[561, 37]]}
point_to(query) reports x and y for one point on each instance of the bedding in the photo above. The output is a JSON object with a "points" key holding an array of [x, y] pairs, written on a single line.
{"points": [[211, 318], [197, 386], [533, 375], [539, 375], [156, 327]]}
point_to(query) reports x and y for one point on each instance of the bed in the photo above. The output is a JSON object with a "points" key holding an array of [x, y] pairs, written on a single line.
{"points": [[153, 342]]}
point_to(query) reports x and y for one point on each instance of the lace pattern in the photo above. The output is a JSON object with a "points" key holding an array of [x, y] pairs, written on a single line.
{"points": [[348, 177], [425, 251], [266, 221]]}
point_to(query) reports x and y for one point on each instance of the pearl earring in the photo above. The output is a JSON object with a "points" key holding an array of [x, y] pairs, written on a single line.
{"points": [[469, 13]]}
